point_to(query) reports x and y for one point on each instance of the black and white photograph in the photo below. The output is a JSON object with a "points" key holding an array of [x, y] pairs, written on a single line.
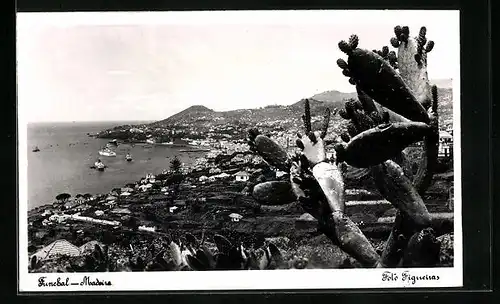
{"points": [[234, 150]]}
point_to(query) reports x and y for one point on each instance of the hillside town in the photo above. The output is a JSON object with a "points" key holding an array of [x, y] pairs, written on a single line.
{"points": [[212, 195]]}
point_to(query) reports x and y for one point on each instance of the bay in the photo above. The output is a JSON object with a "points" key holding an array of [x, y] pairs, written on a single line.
{"points": [[67, 152]]}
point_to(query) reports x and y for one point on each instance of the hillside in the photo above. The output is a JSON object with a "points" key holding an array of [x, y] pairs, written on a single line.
{"points": [[196, 112], [201, 116], [333, 96]]}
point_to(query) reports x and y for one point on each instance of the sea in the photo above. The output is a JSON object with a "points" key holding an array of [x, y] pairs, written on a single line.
{"points": [[67, 153]]}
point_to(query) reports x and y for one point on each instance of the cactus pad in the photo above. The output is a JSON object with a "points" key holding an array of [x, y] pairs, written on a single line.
{"points": [[377, 78], [384, 142], [412, 63]]}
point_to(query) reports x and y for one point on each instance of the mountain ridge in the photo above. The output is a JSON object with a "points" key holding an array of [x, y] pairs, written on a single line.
{"points": [[333, 99]]}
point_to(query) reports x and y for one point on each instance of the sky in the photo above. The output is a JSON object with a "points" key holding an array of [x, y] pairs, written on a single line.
{"points": [[148, 66]]}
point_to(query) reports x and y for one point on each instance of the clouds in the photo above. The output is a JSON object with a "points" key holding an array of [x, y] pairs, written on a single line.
{"points": [[149, 70]]}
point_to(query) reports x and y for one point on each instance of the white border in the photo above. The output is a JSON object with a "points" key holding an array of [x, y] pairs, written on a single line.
{"points": [[233, 280]]}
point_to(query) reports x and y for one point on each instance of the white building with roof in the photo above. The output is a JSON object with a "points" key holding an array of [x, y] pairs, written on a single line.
{"points": [[445, 144], [235, 217], [242, 176], [146, 228], [172, 209], [56, 249]]}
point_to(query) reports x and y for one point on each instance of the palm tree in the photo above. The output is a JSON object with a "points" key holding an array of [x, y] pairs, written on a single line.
{"points": [[175, 164]]}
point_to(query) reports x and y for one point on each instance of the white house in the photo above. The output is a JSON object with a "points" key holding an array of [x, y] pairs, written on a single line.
{"points": [[203, 178], [445, 136], [242, 176], [135, 130], [257, 160], [172, 209], [330, 154], [146, 187], [145, 228], [79, 200], [214, 171], [222, 175], [235, 217], [445, 144], [59, 218]]}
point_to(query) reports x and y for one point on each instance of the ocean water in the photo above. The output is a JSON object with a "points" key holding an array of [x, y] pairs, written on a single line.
{"points": [[67, 152]]}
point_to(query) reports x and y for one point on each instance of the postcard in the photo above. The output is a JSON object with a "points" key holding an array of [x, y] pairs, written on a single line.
{"points": [[239, 150]]}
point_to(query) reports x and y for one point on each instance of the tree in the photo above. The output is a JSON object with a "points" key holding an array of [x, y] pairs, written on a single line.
{"points": [[63, 197], [131, 222], [175, 165]]}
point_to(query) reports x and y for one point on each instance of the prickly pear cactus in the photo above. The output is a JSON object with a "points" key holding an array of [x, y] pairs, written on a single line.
{"points": [[377, 78], [412, 61], [396, 108], [412, 65], [404, 72]]}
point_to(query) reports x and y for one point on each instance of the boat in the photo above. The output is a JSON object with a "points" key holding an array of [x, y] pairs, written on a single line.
{"points": [[114, 142], [150, 141], [36, 149], [107, 152], [128, 157], [99, 166]]}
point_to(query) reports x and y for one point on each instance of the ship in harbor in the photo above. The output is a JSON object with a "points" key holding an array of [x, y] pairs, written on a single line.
{"points": [[107, 152], [99, 165]]}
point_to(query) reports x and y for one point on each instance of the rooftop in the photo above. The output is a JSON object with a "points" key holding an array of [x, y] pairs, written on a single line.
{"points": [[242, 173]]}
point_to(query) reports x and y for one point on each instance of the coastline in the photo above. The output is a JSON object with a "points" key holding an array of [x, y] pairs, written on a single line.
{"points": [[70, 145]]}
